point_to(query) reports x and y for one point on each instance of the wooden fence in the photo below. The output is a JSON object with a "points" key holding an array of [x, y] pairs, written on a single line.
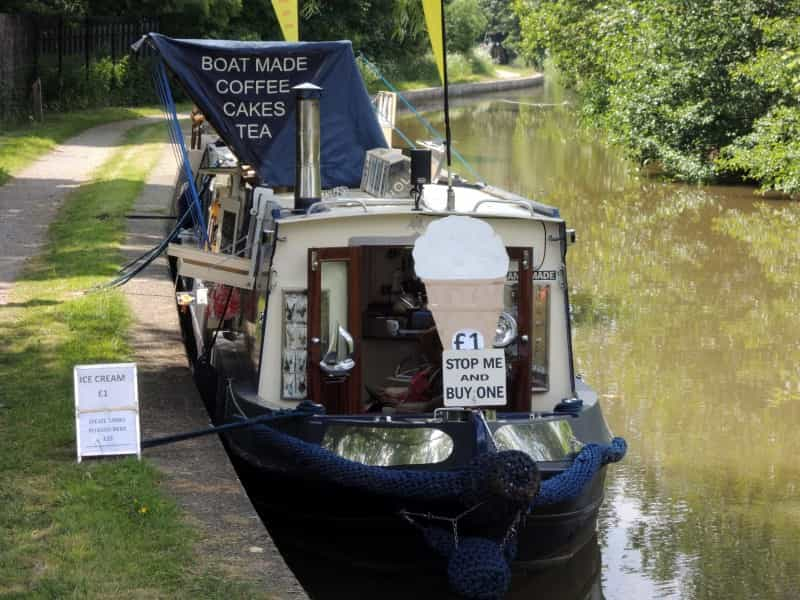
{"points": [[18, 44], [27, 42], [90, 37]]}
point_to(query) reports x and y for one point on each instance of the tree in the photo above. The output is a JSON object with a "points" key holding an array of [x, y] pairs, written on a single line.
{"points": [[770, 154], [665, 79], [466, 25], [385, 30], [503, 23]]}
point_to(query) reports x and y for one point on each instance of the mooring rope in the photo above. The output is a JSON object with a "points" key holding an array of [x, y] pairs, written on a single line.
{"points": [[304, 410], [176, 135]]}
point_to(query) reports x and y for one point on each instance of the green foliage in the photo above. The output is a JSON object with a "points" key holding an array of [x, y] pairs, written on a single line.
{"points": [[502, 21], [674, 83], [771, 153], [382, 29], [465, 24], [128, 82], [421, 71], [390, 32]]}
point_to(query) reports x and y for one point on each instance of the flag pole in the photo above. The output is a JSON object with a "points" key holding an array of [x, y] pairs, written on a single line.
{"points": [[451, 197]]}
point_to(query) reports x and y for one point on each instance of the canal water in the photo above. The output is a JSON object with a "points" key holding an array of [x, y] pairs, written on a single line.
{"points": [[686, 304]]}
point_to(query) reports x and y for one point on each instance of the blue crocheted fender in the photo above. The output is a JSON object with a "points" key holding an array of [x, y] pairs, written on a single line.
{"points": [[478, 567], [570, 483], [513, 467]]}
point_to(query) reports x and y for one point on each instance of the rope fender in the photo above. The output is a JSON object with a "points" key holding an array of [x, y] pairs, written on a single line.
{"points": [[480, 567], [570, 483], [509, 475], [498, 487]]}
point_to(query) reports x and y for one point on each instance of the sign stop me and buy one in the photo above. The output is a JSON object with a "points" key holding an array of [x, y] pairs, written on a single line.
{"points": [[474, 377], [106, 410]]}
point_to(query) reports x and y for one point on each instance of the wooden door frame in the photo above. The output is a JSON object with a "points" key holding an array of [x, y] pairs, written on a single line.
{"points": [[337, 396], [520, 399]]}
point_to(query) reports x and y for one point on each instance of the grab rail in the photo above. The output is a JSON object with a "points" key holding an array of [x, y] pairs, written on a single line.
{"points": [[521, 203], [530, 206], [540, 207], [337, 202]]}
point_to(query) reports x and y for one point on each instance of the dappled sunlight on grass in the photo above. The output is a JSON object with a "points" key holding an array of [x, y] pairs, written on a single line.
{"points": [[22, 145], [103, 528]]}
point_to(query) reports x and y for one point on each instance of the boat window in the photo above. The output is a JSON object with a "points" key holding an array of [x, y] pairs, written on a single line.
{"points": [[400, 348], [388, 446], [253, 321], [541, 440], [540, 379], [511, 301], [333, 304], [295, 331], [253, 310]]}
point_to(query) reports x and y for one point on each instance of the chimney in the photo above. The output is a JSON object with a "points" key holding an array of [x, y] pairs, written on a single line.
{"points": [[308, 180]]}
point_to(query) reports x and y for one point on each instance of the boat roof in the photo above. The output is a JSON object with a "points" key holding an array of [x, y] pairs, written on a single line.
{"points": [[475, 201]]}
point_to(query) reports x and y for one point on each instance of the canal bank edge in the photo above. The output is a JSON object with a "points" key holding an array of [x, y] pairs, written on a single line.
{"points": [[197, 473], [475, 89]]}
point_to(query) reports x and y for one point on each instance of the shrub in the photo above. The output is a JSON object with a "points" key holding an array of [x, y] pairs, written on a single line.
{"points": [[680, 83], [125, 82], [771, 153], [466, 25]]}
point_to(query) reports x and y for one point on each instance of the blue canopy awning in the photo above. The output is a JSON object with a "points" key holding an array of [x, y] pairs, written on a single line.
{"points": [[244, 91]]}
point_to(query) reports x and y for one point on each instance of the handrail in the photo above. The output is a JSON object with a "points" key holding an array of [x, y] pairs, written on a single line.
{"points": [[337, 202], [530, 206], [540, 207], [521, 203]]}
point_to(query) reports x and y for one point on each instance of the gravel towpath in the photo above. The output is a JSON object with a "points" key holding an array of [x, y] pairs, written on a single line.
{"points": [[30, 200], [197, 473]]}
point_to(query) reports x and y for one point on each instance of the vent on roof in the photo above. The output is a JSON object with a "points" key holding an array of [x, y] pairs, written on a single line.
{"points": [[387, 173]]}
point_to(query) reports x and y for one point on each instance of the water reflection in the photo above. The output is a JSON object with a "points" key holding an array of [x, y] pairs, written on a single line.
{"points": [[685, 300], [541, 440], [388, 446], [578, 579]]}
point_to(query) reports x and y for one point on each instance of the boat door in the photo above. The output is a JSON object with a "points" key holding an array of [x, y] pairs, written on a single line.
{"points": [[334, 329], [519, 300]]}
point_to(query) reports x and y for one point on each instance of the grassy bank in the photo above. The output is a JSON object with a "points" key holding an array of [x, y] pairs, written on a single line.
{"points": [[20, 146], [422, 72], [102, 528]]}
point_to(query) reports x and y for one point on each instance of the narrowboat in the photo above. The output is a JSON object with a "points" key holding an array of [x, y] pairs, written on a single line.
{"points": [[386, 345]]}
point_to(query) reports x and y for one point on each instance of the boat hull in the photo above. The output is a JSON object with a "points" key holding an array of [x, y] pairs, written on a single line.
{"points": [[312, 517], [353, 527]]}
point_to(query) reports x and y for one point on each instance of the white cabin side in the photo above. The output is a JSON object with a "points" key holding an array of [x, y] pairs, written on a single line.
{"points": [[383, 228]]}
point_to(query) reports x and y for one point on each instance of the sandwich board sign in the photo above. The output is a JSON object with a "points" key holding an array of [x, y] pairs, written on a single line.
{"points": [[107, 410]]}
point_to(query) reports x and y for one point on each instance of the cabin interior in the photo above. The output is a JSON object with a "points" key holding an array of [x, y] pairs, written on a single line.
{"points": [[372, 292]]}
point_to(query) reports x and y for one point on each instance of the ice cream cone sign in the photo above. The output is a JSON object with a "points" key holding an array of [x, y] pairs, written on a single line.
{"points": [[463, 264]]}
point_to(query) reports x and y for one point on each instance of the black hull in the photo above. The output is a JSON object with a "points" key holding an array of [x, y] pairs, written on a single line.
{"points": [[316, 522], [576, 579], [339, 524]]}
